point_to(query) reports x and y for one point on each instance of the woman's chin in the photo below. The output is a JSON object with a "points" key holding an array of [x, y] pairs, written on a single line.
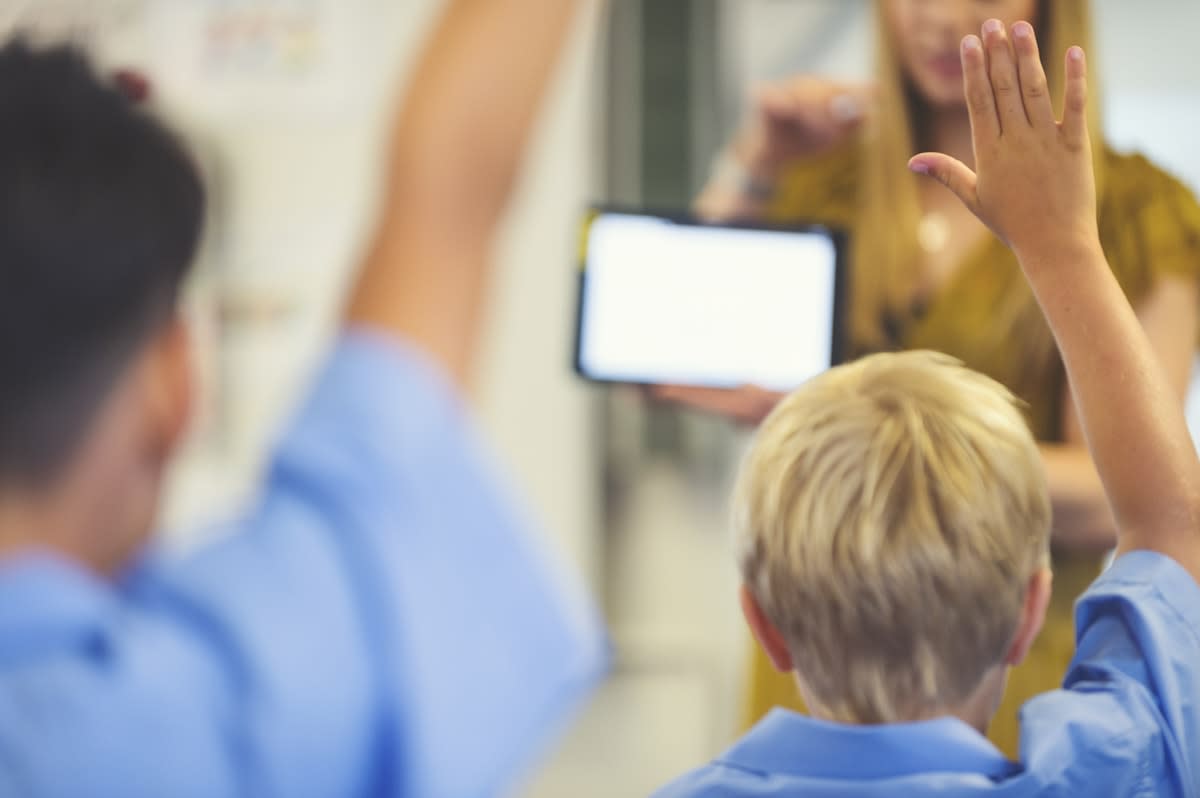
{"points": [[942, 93], [946, 99]]}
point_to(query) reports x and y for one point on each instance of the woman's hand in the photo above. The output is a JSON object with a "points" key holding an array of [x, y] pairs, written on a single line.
{"points": [[798, 118], [793, 119], [747, 405], [1034, 185]]}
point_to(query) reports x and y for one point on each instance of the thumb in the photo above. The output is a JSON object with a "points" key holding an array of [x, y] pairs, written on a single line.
{"points": [[951, 173]]}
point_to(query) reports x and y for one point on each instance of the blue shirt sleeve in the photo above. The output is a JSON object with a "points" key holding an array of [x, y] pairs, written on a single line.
{"points": [[381, 623], [1138, 644]]}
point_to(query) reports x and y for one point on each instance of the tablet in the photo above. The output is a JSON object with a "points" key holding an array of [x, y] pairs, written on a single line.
{"points": [[666, 299]]}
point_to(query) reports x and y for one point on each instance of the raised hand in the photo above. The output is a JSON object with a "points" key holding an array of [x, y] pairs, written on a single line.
{"points": [[1034, 184], [1035, 189], [455, 155]]}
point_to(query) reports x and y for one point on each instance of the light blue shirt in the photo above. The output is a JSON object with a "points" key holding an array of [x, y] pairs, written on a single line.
{"points": [[1125, 723], [380, 624]]}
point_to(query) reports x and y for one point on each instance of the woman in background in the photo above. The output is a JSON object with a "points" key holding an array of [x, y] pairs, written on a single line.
{"points": [[927, 275]]}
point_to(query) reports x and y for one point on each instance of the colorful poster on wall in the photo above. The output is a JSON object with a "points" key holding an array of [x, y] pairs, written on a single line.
{"points": [[259, 57]]}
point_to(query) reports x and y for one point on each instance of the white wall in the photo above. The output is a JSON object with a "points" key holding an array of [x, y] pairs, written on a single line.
{"points": [[532, 406], [1150, 80]]}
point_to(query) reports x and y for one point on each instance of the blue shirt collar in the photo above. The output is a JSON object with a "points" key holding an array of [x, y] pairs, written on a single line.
{"points": [[48, 602], [785, 742]]}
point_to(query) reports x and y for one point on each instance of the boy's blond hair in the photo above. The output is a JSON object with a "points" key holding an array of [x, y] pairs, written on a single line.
{"points": [[890, 514]]}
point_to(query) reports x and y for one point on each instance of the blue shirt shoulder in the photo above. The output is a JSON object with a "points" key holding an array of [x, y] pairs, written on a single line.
{"points": [[1125, 723], [381, 623]]}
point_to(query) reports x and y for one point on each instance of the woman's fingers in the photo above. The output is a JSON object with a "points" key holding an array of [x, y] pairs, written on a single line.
{"points": [[748, 404], [814, 102], [1074, 125], [1006, 86], [1034, 89], [775, 101], [981, 103], [851, 103]]}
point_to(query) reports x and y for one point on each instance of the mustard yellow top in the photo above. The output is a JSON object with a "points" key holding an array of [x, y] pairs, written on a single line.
{"points": [[1150, 226]]}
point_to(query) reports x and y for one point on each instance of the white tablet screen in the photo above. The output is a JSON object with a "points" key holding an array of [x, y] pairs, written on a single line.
{"points": [[680, 303]]}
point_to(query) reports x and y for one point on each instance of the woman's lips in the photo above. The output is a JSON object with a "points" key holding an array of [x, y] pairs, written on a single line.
{"points": [[947, 66]]}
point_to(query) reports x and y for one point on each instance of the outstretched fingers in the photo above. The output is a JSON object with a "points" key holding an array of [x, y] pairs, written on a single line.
{"points": [[1074, 124], [1002, 68], [1034, 88], [981, 102]]}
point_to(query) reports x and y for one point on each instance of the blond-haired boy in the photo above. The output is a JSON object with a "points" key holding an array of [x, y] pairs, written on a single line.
{"points": [[893, 523]]}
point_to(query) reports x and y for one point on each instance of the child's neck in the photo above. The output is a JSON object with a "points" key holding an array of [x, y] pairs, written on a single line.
{"points": [[32, 523], [97, 516], [976, 711]]}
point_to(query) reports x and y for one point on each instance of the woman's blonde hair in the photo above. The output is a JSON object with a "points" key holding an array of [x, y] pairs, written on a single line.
{"points": [[886, 254], [889, 517]]}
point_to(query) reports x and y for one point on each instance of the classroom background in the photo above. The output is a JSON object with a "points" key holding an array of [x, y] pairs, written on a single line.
{"points": [[286, 102]]}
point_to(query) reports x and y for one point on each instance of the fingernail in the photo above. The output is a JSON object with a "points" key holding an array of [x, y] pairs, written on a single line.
{"points": [[1075, 53], [993, 26], [1023, 30], [919, 167], [972, 43], [845, 108]]}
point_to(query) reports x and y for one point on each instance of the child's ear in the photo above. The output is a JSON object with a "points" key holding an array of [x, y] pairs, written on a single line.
{"points": [[169, 387], [765, 632], [1033, 614]]}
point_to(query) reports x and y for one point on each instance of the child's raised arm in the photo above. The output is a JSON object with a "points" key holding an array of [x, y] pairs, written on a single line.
{"points": [[454, 157], [1034, 187]]}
